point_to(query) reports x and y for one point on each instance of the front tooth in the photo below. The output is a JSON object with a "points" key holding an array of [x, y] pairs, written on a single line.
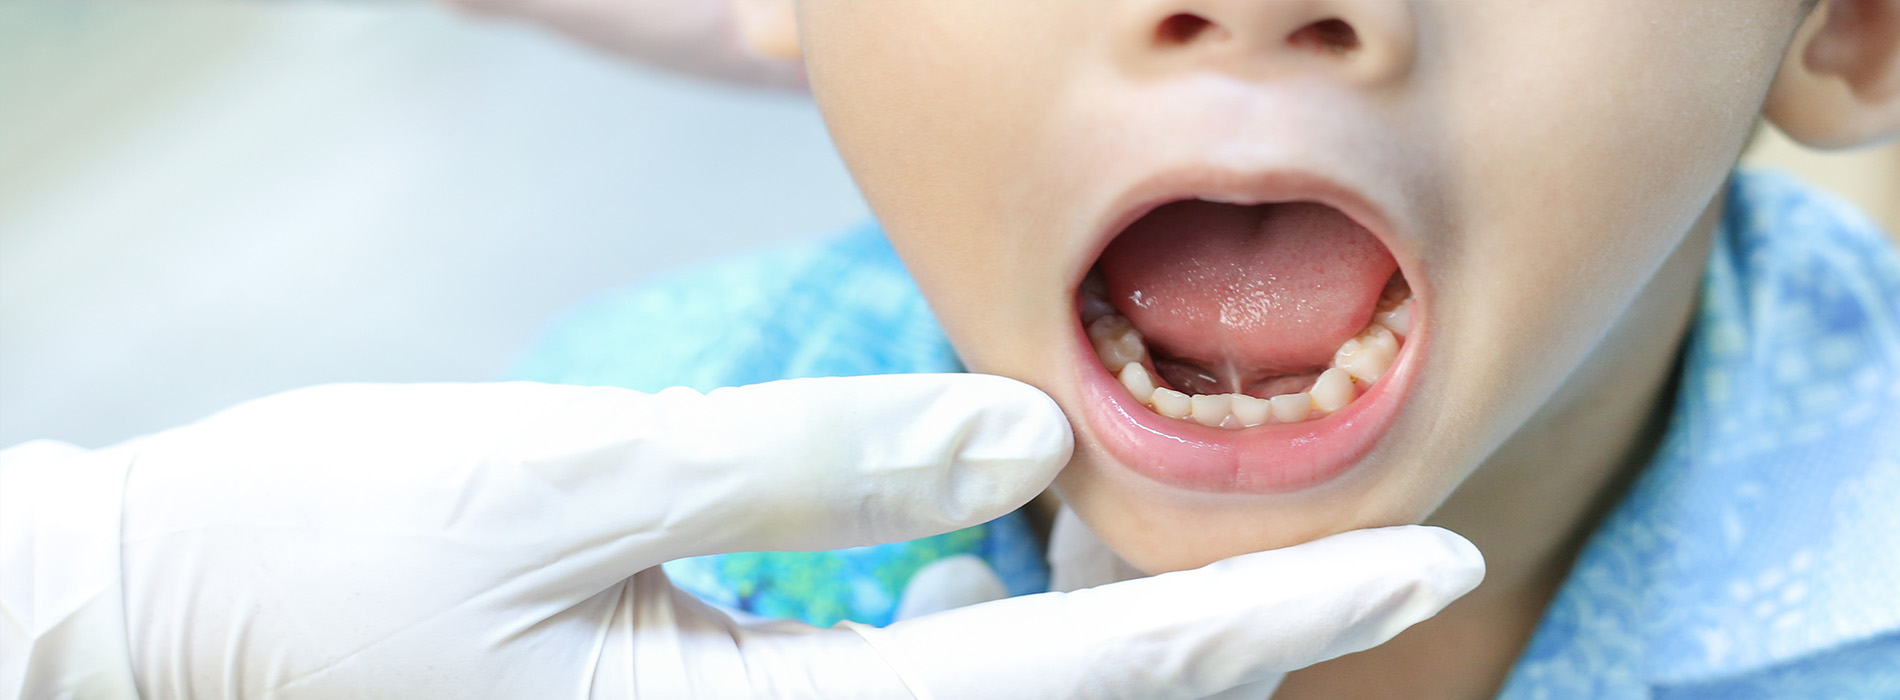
{"points": [[1399, 319], [1109, 327], [1249, 410], [1333, 390], [1209, 410], [1136, 379], [1291, 408], [1171, 403], [1122, 349]]}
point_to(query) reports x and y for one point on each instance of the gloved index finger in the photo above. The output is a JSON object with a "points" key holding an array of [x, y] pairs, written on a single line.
{"points": [[807, 464]]}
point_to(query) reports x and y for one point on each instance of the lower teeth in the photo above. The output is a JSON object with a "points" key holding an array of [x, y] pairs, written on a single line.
{"points": [[1356, 366]]}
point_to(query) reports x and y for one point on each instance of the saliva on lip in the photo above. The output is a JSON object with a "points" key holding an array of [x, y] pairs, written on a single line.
{"points": [[1359, 362]]}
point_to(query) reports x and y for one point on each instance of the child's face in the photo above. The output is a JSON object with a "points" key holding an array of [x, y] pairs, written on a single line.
{"points": [[1525, 168]]}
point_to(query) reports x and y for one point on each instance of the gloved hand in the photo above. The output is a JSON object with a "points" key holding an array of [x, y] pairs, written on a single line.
{"points": [[1078, 560], [463, 541], [696, 37]]}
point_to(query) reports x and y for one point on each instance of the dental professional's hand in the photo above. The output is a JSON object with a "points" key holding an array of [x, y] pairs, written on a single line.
{"points": [[464, 541], [695, 37]]}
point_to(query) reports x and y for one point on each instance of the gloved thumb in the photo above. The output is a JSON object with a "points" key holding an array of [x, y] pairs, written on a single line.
{"points": [[1188, 634]]}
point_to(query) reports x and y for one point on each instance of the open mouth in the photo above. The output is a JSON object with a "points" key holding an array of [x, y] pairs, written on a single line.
{"points": [[1245, 347]]}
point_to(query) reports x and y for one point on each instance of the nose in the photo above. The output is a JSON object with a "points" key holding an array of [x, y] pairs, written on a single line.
{"points": [[1370, 42]]}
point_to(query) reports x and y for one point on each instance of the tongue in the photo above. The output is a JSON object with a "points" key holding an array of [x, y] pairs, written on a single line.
{"points": [[1247, 292]]}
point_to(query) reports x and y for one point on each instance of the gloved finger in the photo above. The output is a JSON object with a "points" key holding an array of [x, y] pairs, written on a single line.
{"points": [[816, 464], [1188, 634], [631, 480], [805, 464], [661, 642], [420, 515]]}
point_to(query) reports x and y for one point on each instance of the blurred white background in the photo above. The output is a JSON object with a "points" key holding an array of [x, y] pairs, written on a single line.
{"points": [[207, 201]]}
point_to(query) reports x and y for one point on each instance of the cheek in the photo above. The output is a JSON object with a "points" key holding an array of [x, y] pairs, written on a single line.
{"points": [[940, 110], [1586, 157]]}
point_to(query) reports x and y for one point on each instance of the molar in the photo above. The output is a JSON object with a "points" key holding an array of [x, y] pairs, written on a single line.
{"points": [[1380, 337], [1398, 318], [1119, 350], [1368, 356], [1109, 327]]}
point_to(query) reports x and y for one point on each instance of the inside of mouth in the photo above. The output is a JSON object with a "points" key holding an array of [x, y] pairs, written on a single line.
{"points": [[1235, 316]]}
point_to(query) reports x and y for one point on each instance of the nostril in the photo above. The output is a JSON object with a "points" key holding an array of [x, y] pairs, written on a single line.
{"points": [[1325, 36], [1181, 28]]}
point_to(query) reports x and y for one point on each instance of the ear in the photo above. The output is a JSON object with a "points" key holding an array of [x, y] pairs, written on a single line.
{"points": [[1839, 85], [768, 27]]}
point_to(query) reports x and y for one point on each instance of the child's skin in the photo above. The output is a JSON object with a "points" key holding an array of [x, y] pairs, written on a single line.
{"points": [[1551, 170]]}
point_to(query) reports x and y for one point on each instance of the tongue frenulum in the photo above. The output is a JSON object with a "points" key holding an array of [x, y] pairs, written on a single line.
{"points": [[1247, 293]]}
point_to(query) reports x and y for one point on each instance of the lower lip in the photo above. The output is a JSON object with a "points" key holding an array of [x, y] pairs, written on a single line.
{"points": [[1265, 459]]}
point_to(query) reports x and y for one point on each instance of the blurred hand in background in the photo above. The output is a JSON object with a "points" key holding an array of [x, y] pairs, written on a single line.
{"points": [[700, 38]]}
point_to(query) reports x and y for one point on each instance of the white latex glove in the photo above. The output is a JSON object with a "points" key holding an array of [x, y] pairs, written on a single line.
{"points": [[695, 37], [463, 541], [1078, 559]]}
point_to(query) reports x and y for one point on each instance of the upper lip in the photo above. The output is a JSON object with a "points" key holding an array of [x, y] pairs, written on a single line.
{"points": [[1230, 186]]}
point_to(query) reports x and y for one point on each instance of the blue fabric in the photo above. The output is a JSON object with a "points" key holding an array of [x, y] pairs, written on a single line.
{"points": [[1758, 556], [1759, 553]]}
